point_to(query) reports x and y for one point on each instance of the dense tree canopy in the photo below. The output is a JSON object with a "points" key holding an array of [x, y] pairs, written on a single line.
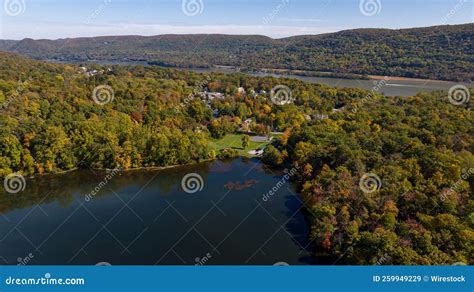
{"points": [[421, 212], [439, 52], [420, 148]]}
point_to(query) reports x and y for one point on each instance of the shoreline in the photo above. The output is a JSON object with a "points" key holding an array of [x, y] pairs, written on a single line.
{"points": [[150, 168], [349, 76], [322, 74], [398, 78], [144, 168], [283, 72]]}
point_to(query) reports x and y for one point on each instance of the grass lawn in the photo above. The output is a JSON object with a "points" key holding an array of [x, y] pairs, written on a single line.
{"points": [[235, 141]]}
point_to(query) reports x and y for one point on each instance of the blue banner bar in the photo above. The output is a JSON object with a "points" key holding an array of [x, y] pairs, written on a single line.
{"points": [[244, 278]]}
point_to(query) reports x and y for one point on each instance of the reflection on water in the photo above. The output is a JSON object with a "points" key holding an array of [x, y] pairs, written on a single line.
{"points": [[144, 217]]}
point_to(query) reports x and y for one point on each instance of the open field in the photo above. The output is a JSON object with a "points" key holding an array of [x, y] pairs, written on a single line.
{"points": [[234, 141]]}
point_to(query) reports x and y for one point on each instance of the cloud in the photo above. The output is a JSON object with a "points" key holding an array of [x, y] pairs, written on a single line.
{"points": [[48, 30], [304, 19]]}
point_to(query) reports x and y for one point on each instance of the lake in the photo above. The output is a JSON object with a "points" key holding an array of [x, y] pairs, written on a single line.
{"points": [[144, 217]]}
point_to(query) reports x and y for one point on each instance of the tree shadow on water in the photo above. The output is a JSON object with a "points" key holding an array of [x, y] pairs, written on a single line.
{"points": [[299, 228]]}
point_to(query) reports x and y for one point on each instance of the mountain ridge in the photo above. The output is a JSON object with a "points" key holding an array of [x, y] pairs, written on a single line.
{"points": [[437, 52]]}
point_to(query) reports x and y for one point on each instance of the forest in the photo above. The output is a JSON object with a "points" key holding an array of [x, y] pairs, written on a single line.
{"points": [[439, 52], [421, 210]]}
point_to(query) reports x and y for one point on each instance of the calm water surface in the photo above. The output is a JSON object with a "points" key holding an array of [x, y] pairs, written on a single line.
{"points": [[144, 217]]}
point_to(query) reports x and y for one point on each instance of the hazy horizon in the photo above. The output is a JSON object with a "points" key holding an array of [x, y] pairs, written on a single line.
{"points": [[227, 34], [54, 19]]}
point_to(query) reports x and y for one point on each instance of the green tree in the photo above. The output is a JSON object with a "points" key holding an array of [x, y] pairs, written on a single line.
{"points": [[245, 141]]}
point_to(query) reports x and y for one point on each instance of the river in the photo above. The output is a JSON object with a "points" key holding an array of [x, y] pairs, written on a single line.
{"points": [[393, 87], [143, 217]]}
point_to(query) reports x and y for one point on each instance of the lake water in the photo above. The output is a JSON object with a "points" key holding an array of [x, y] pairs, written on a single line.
{"points": [[144, 217]]}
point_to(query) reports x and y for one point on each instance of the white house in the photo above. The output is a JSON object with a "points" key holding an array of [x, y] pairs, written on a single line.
{"points": [[241, 90]]}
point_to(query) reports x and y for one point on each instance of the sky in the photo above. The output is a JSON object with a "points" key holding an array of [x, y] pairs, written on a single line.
{"points": [[54, 19]]}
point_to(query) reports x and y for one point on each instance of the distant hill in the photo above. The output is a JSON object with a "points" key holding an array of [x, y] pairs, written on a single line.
{"points": [[439, 52]]}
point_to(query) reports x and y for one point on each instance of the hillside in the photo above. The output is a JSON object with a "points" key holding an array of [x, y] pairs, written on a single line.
{"points": [[440, 52]]}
